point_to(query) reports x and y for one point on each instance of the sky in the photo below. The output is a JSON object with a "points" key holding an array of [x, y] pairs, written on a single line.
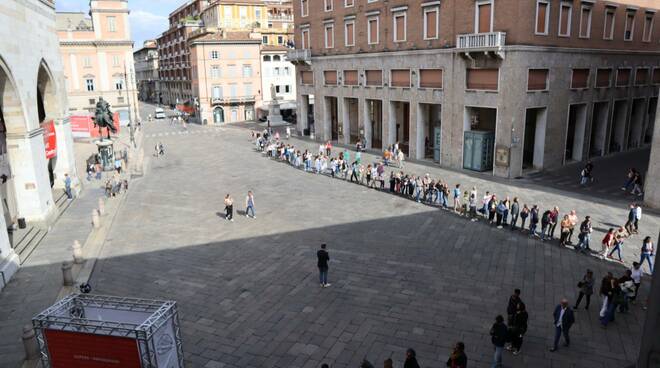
{"points": [[148, 18]]}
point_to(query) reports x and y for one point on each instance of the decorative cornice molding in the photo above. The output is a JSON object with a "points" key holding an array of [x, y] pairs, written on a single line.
{"points": [[26, 135], [95, 43]]}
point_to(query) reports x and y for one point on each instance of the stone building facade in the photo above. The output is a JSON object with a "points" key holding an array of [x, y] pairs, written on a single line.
{"points": [[146, 72], [97, 53], [33, 103], [500, 86]]}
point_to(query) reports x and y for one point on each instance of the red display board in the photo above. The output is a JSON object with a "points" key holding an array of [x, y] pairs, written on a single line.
{"points": [[50, 139], [80, 350], [82, 126]]}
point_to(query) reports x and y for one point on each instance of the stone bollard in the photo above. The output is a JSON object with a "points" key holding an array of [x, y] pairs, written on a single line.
{"points": [[96, 221], [77, 253], [101, 207], [67, 275], [30, 343]]}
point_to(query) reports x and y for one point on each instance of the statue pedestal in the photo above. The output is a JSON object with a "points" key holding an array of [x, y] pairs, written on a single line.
{"points": [[106, 154], [274, 114]]}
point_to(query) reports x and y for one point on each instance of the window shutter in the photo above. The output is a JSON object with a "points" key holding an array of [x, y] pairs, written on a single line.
{"points": [[540, 20], [330, 77], [623, 77], [430, 78], [401, 78], [373, 30], [400, 27], [350, 77], [482, 79], [374, 77], [484, 18], [537, 80], [431, 24], [580, 78], [603, 77]]}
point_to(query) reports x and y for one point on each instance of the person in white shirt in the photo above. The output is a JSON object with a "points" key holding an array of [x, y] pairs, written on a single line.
{"points": [[636, 275], [638, 216]]}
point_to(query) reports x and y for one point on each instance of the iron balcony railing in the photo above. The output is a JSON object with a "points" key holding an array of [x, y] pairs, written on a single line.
{"points": [[299, 55], [490, 40]]}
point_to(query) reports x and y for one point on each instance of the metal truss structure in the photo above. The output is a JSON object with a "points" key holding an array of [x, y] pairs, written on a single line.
{"points": [[68, 314]]}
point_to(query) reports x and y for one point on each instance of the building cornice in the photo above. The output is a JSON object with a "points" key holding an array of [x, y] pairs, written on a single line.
{"points": [[230, 42], [96, 43], [48, 3]]}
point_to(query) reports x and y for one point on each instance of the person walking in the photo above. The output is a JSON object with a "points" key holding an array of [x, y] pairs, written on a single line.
{"points": [[411, 359], [630, 222], [457, 359], [229, 208], [585, 236], [636, 275], [249, 205], [586, 287], [563, 320], [605, 293], [512, 307], [457, 198], [646, 253], [518, 328], [638, 184], [323, 257], [606, 243], [67, 186], [638, 216], [618, 246], [498, 337]]}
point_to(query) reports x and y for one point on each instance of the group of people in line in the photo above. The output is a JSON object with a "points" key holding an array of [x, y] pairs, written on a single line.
{"points": [[499, 212], [249, 206]]}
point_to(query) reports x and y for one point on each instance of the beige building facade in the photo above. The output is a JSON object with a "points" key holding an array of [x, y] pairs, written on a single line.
{"points": [[146, 72], [226, 75], [33, 104], [503, 86], [97, 54]]}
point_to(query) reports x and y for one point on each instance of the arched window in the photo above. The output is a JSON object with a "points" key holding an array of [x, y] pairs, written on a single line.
{"points": [[266, 57], [276, 57]]}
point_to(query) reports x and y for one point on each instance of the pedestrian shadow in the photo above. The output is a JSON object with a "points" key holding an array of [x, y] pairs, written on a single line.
{"points": [[221, 215]]}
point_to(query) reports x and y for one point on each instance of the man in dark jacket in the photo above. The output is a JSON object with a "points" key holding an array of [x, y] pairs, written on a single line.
{"points": [[323, 258], [563, 320], [511, 309], [498, 338]]}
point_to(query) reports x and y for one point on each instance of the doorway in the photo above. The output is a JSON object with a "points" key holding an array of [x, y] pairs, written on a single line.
{"points": [[577, 124], [351, 115], [375, 119], [331, 114], [534, 138], [218, 115], [431, 115], [479, 126], [234, 115], [249, 113], [401, 113], [650, 120], [618, 133], [598, 129], [637, 117]]}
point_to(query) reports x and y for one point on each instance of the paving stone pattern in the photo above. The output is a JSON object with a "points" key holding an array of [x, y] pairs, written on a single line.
{"points": [[403, 274]]}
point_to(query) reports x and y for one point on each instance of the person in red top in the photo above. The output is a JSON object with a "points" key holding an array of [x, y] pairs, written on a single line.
{"points": [[458, 359], [607, 241]]}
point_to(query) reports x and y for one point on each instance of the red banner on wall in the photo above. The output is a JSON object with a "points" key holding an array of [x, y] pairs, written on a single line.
{"points": [[82, 126], [80, 350], [50, 139]]}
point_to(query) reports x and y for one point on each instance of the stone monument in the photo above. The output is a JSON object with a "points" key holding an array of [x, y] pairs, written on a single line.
{"points": [[103, 119], [274, 114]]}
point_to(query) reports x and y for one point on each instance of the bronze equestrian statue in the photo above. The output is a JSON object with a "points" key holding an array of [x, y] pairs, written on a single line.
{"points": [[103, 118]]}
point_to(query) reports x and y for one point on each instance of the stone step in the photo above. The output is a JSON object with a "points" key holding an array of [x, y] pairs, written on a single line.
{"points": [[29, 242]]}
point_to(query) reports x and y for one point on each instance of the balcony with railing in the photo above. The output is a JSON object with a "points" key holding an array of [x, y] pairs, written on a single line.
{"points": [[303, 56], [490, 41], [219, 100]]}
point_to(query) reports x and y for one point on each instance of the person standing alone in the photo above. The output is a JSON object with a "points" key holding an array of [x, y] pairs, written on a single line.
{"points": [[67, 186], [563, 320], [498, 337], [229, 208], [323, 257], [249, 205]]}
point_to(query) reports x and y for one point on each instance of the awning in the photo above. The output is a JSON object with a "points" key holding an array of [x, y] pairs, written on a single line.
{"points": [[288, 105]]}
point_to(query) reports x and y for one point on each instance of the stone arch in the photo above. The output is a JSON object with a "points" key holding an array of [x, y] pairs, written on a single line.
{"points": [[47, 101], [12, 114]]}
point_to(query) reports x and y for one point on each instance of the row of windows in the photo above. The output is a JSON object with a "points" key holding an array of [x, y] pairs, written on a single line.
{"points": [[277, 71], [90, 84], [216, 71], [328, 5], [215, 55], [87, 61], [585, 16], [217, 91], [487, 79], [267, 58]]}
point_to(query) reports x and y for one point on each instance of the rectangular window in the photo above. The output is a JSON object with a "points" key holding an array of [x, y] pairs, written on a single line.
{"points": [[648, 27], [328, 5], [430, 78], [233, 90], [565, 16], [305, 39], [372, 31], [90, 84], [280, 40], [87, 62], [374, 77], [431, 22], [248, 89], [287, 88], [399, 27], [264, 40], [116, 61], [623, 77], [349, 33], [400, 78], [330, 77], [608, 30], [277, 89], [120, 100], [641, 76], [119, 84], [231, 69], [585, 21], [656, 76], [286, 70], [215, 71], [307, 77], [484, 17], [276, 71], [257, 14], [112, 24], [482, 79], [603, 78], [542, 17], [537, 80], [91, 102], [630, 26], [304, 8], [214, 55], [348, 3], [217, 92], [350, 77], [580, 78], [329, 36], [247, 71]]}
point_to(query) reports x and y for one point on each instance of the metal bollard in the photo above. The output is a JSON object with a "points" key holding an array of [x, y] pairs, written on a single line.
{"points": [[96, 221], [67, 275], [101, 207], [77, 253], [30, 343]]}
